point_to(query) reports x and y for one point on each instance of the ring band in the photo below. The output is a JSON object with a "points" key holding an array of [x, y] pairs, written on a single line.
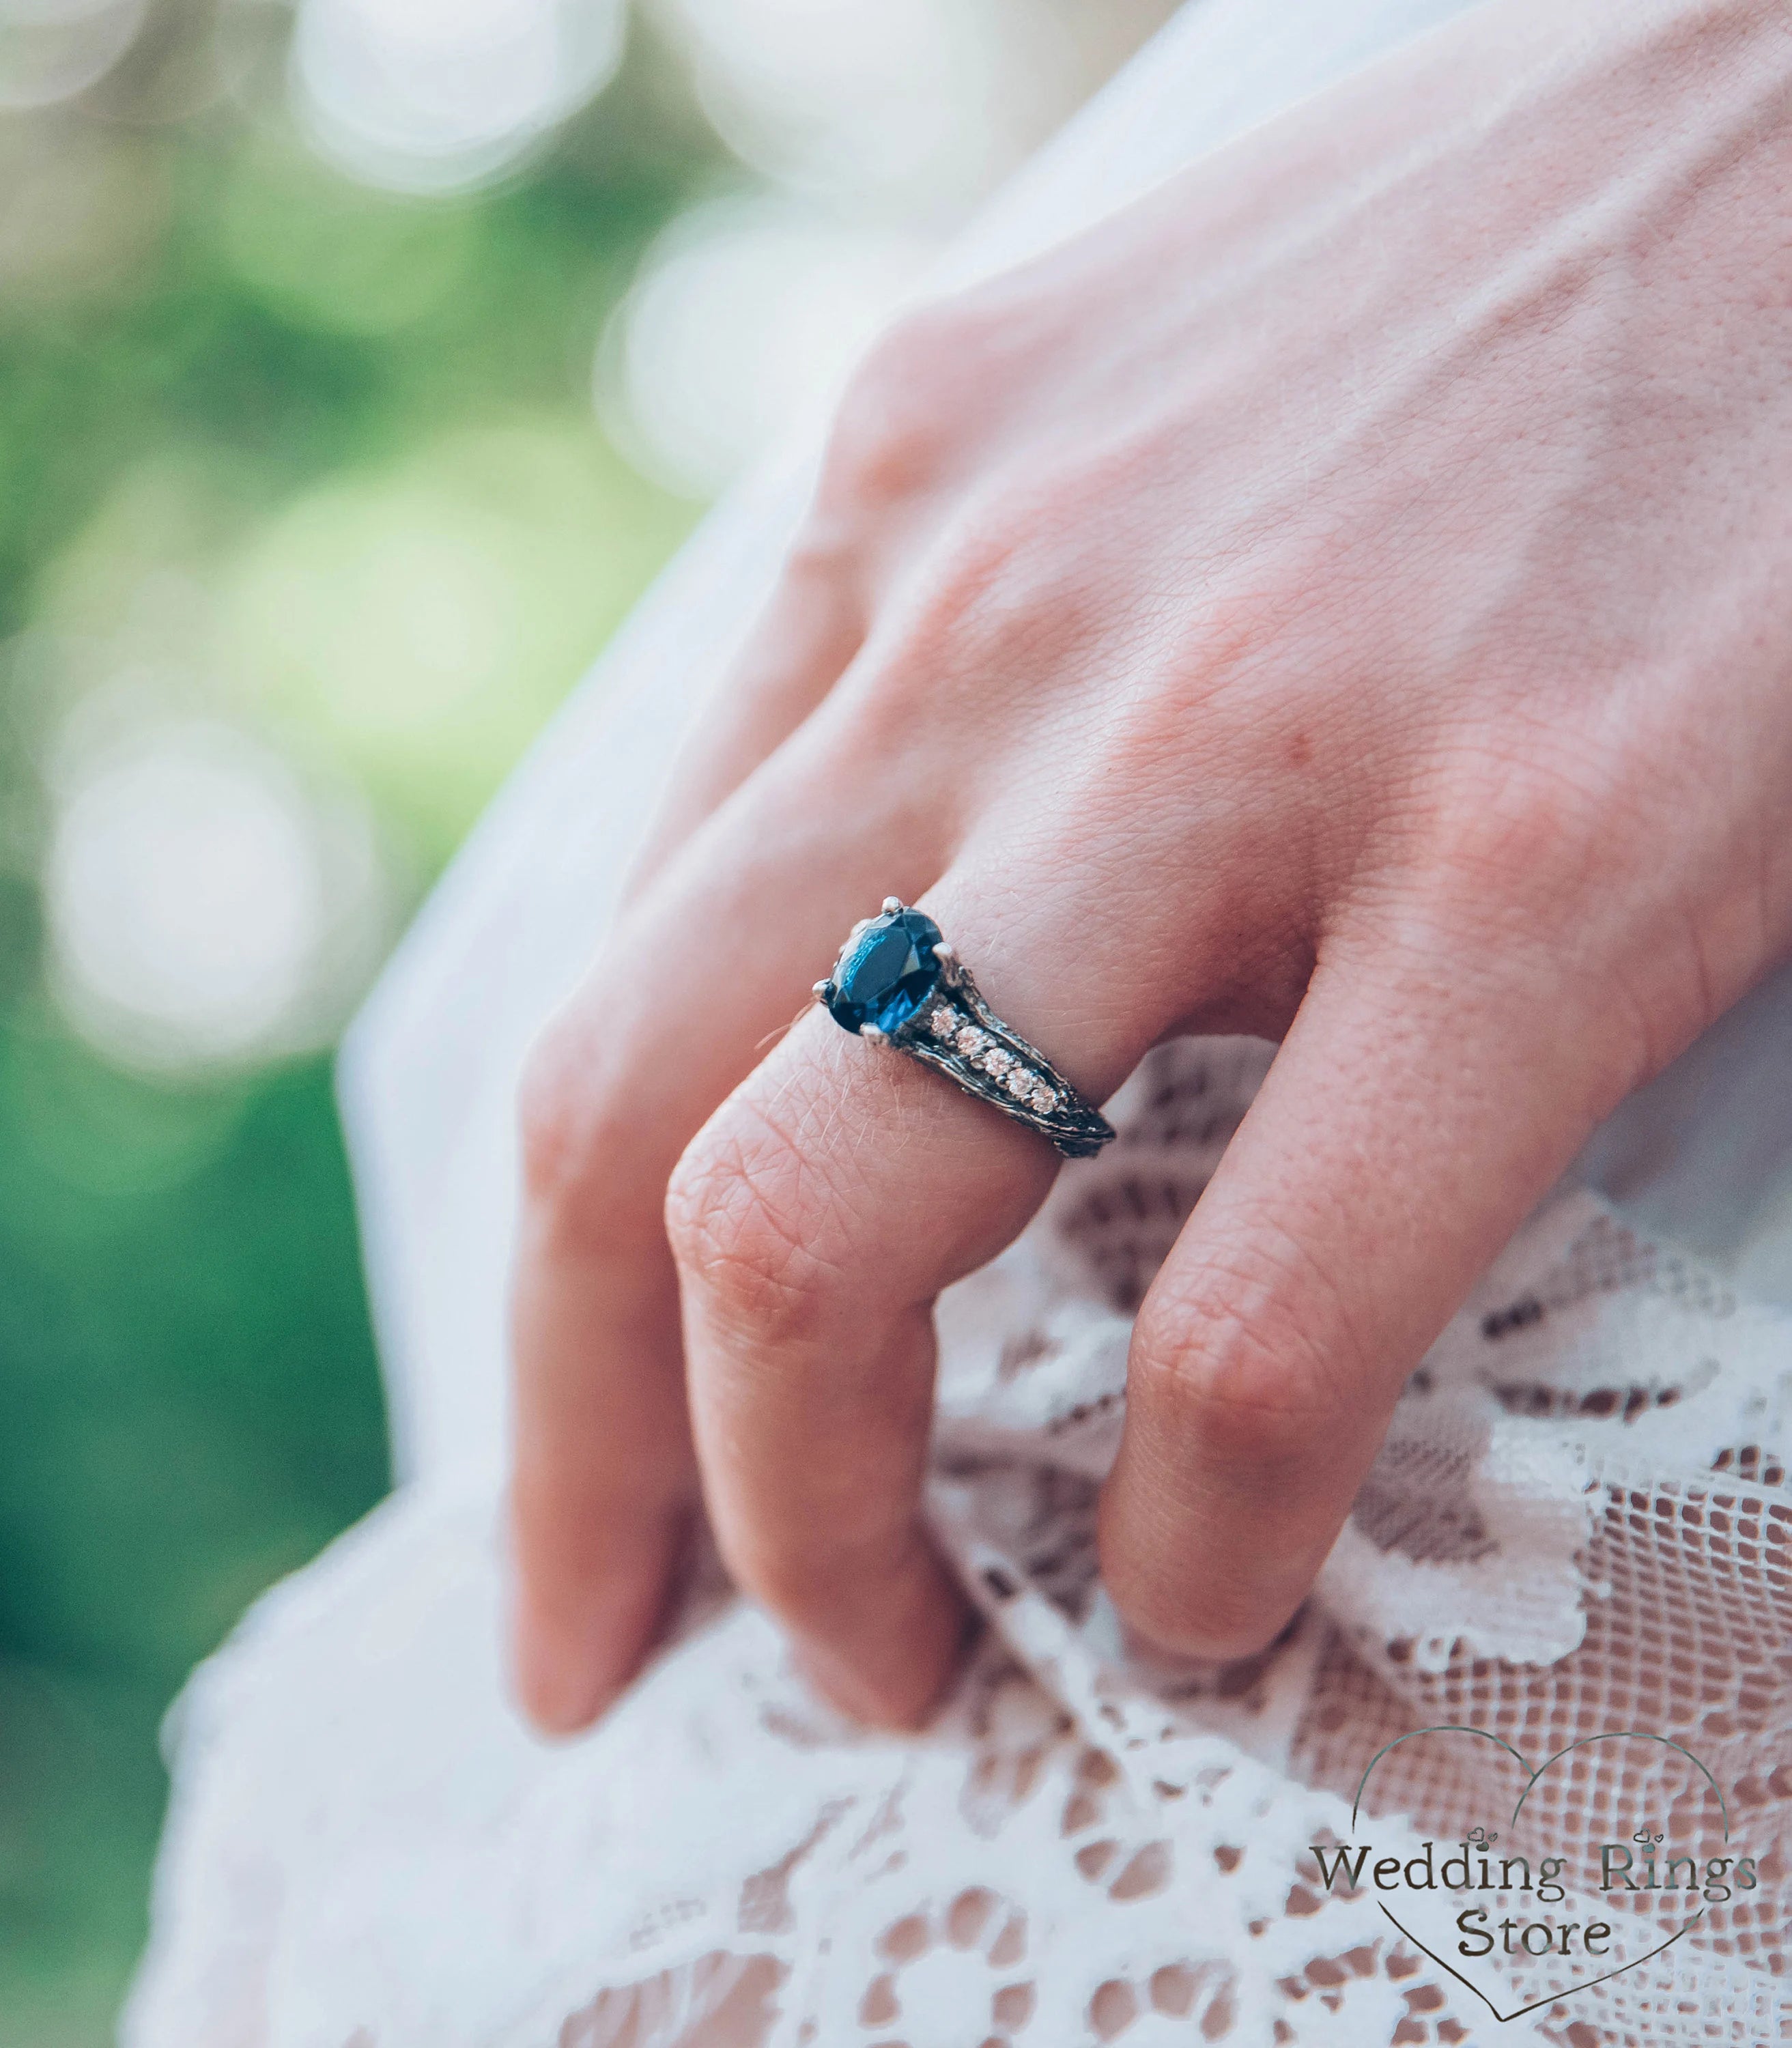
{"points": [[898, 983]]}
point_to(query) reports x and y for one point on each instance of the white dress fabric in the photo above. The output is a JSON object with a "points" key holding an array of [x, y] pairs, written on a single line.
{"points": [[1580, 1523]]}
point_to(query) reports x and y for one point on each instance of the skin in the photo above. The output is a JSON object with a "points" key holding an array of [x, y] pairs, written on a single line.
{"points": [[1347, 598]]}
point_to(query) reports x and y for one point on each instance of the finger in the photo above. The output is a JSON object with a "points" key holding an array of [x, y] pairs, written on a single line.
{"points": [[807, 636], [672, 1016], [815, 1219], [1414, 1115]]}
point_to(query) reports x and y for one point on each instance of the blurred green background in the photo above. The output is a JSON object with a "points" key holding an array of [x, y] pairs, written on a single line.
{"points": [[353, 381], [243, 399]]}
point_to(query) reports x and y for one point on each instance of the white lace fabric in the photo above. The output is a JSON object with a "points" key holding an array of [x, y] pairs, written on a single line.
{"points": [[1580, 1523]]}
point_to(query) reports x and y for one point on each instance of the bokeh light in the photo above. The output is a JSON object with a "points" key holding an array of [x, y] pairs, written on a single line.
{"points": [[434, 95], [51, 49], [746, 314], [851, 96], [203, 904], [911, 108], [423, 618]]}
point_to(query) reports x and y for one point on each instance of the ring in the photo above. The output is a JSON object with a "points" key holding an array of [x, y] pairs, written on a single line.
{"points": [[898, 983]]}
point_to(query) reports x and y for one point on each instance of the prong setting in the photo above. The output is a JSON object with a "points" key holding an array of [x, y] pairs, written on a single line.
{"points": [[898, 984]]}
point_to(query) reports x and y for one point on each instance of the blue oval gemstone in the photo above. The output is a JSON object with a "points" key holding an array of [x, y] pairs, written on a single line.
{"points": [[887, 972]]}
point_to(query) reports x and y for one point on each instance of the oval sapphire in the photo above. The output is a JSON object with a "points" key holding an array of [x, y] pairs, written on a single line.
{"points": [[886, 972]]}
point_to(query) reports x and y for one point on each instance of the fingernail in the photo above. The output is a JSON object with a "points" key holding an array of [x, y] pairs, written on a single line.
{"points": [[561, 1687], [915, 1667], [840, 1684]]}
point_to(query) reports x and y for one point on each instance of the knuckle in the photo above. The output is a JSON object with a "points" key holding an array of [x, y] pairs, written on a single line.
{"points": [[905, 410], [580, 1135], [1531, 867], [551, 1114], [965, 638], [887, 442], [743, 1212], [822, 571], [1254, 1356], [971, 641], [1527, 833]]}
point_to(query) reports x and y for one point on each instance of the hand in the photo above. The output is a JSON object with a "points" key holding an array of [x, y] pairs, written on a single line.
{"points": [[1347, 598]]}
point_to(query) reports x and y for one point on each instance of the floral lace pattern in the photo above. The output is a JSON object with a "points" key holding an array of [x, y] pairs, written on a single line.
{"points": [[1580, 1522]]}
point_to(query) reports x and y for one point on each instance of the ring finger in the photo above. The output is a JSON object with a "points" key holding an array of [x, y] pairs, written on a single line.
{"points": [[673, 1015], [815, 1219]]}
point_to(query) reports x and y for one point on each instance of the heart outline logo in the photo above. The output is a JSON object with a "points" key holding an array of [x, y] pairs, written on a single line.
{"points": [[1531, 1778]]}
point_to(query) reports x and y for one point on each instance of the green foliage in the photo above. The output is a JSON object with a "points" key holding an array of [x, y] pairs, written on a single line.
{"points": [[189, 1404], [190, 1410]]}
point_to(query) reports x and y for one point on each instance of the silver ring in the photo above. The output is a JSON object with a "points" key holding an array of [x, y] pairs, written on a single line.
{"points": [[898, 983]]}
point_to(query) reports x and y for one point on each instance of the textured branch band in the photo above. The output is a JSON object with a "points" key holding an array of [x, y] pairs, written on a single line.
{"points": [[898, 983]]}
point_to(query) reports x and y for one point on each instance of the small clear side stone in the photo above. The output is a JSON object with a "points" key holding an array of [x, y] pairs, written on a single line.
{"points": [[997, 1060], [972, 1039], [1019, 1083], [1043, 1099], [943, 1023]]}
